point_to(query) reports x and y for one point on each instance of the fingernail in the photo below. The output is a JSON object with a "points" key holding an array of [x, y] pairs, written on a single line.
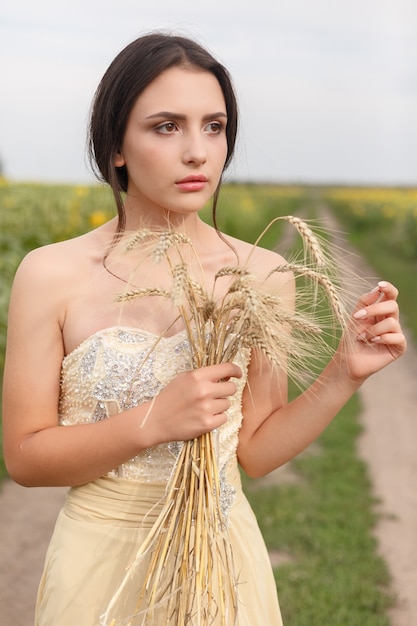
{"points": [[361, 337], [382, 283], [376, 339], [360, 314]]}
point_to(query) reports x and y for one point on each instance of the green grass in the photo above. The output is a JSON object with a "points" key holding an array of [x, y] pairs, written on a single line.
{"points": [[324, 522]]}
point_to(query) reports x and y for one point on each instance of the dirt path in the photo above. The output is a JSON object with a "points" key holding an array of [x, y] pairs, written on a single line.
{"points": [[388, 445], [27, 517]]}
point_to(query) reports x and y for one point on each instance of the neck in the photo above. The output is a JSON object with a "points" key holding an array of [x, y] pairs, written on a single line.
{"points": [[188, 224]]}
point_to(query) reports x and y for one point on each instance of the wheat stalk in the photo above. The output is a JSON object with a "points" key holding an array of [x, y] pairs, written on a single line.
{"points": [[132, 294], [321, 279], [190, 532], [309, 238], [312, 245]]}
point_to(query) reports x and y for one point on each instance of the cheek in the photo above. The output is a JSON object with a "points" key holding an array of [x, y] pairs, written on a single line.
{"points": [[141, 160], [151, 157]]}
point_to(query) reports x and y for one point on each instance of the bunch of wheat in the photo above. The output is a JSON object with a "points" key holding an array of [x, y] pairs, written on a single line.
{"points": [[190, 534]]}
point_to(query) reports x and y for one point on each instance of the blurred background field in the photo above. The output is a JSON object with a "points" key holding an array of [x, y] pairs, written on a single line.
{"points": [[382, 225], [381, 222], [322, 521]]}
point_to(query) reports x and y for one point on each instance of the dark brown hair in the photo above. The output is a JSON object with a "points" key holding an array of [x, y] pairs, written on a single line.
{"points": [[133, 69]]}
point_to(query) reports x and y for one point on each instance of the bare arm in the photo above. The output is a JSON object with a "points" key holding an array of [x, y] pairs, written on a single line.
{"points": [[274, 431], [72, 455]]}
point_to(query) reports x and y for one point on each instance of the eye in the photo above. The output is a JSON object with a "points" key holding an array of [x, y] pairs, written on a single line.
{"points": [[215, 128], [167, 128]]}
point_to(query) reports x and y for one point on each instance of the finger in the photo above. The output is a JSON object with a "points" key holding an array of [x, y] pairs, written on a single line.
{"points": [[385, 326], [224, 389], [220, 406], [386, 331], [236, 372], [388, 308], [396, 340], [223, 371], [388, 290], [384, 290]]}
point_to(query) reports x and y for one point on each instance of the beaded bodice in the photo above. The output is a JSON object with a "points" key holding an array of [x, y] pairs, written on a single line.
{"points": [[121, 367]]}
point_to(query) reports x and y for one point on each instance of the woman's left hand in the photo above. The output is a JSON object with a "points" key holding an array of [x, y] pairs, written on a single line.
{"points": [[376, 338]]}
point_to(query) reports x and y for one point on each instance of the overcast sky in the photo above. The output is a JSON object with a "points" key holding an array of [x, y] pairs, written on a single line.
{"points": [[327, 88]]}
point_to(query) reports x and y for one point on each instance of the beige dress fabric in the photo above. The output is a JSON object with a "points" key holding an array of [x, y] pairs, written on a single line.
{"points": [[103, 523]]}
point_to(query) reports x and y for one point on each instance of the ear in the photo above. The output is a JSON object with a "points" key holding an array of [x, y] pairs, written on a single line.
{"points": [[119, 160]]}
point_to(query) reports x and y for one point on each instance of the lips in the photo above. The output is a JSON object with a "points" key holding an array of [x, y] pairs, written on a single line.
{"points": [[194, 182]]}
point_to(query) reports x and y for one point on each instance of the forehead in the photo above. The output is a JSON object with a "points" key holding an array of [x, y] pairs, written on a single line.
{"points": [[180, 89]]}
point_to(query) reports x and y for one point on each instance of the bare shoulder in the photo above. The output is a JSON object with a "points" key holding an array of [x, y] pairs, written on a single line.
{"points": [[49, 277], [63, 259]]}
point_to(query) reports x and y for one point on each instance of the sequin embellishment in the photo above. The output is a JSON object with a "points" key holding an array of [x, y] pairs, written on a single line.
{"points": [[119, 368], [227, 495]]}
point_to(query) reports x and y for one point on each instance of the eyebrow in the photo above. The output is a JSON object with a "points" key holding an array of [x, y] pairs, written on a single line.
{"points": [[180, 116]]}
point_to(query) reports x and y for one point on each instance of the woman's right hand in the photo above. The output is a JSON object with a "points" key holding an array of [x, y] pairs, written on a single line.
{"points": [[193, 403]]}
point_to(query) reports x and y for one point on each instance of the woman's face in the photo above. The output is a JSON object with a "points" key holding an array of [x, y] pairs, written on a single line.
{"points": [[175, 145]]}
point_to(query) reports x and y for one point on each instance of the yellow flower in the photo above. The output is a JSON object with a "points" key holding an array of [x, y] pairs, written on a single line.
{"points": [[81, 191], [97, 218]]}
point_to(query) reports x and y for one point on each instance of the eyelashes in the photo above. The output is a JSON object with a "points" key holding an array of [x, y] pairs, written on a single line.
{"points": [[167, 128], [216, 127], [171, 127]]}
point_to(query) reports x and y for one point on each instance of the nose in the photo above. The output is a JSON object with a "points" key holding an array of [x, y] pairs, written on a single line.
{"points": [[194, 150]]}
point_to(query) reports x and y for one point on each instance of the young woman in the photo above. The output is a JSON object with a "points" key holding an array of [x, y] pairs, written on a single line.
{"points": [[96, 395]]}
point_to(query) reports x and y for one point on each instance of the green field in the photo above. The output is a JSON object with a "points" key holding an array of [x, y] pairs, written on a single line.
{"points": [[382, 224], [324, 521]]}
